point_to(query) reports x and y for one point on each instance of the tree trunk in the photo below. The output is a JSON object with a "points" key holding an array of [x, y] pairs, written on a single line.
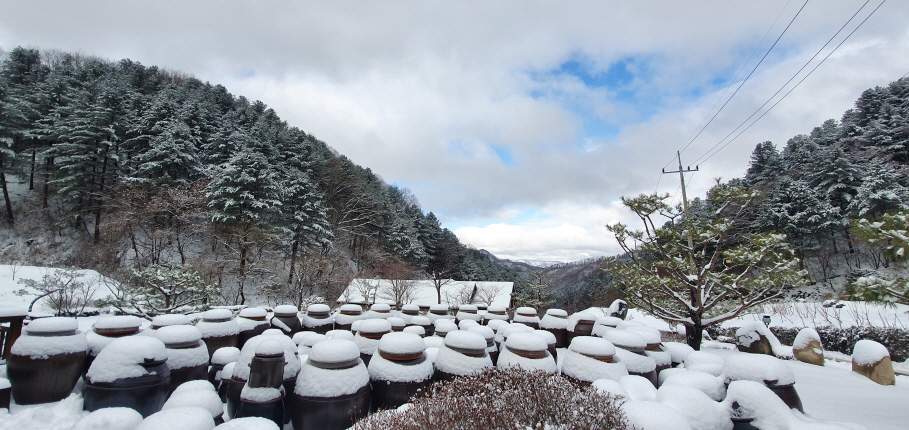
{"points": [[293, 260], [693, 335], [9, 206], [48, 162], [31, 174]]}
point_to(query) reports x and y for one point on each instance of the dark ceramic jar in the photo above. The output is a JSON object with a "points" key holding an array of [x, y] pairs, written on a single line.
{"points": [[47, 361]]}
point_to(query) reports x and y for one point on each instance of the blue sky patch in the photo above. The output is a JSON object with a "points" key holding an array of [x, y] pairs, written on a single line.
{"points": [[504, 154]]}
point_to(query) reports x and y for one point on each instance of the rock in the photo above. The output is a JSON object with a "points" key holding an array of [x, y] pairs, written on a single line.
{"points": [[749, 344], [812, 353], [872, 360]]}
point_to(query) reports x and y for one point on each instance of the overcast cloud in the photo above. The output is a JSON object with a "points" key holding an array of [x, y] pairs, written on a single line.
{"points": [[519, 124]]}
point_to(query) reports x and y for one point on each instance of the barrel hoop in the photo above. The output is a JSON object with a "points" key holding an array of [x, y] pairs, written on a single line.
{"points": [[527, 354]]}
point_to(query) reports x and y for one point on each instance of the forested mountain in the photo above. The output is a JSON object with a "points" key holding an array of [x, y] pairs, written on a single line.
{"points": [[814, 189], [119, 166]]}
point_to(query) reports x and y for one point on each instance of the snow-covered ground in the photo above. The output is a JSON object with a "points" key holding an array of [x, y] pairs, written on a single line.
{"points": [[10, 275]]}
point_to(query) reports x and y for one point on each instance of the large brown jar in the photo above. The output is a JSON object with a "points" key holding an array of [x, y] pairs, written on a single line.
{"points": [[129, 372], [219, 329], [580, 324], [287, 320], [556, 322], [187, 356], [252, 323], [262, 395], [463, 353], [398, 370], [527, 316], [495, 312], [106, 329], [332, 391], [46, 362], [318, 319], [346, 315]]}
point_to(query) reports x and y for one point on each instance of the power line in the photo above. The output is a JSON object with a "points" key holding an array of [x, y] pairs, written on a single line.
{"points": [[785, 84], [790, 91], [746, 78]]}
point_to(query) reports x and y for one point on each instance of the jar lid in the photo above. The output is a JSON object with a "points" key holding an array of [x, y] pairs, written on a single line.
{"points": [[380, 307], [334, 352], [285, 311], [52, 326], [526, 311], [557, 313], [318, 308], [179, 336], [374, 328], [626, 340], [401, 346], [593, 347], [117, 325], [527, 345], [415, 329], [269, 349], [217, 315], [169, 319], [251, 313], [351, 309]]}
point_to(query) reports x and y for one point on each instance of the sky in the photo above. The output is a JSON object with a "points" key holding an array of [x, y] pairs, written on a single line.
{"points": [[519, 124]]}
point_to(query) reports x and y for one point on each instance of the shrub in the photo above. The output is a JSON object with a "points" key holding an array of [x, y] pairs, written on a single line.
{"points": [[843, 339], [511, 399]]}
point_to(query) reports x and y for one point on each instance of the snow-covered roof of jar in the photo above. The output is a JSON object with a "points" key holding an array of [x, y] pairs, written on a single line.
{"points": [[119, 324], [481, 293], [169, 319], [253, 312], [285, 311]]}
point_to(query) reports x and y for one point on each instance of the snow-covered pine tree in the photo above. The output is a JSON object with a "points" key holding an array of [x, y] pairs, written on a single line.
{"points": [[304, 218], [766, 164], [882, 189]]}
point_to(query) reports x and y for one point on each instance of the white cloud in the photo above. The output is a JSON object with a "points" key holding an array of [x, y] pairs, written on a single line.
{"points": [[420, 92]]}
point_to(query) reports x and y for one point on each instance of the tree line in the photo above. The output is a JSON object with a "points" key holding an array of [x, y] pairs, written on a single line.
{"points": [[138, 170]]}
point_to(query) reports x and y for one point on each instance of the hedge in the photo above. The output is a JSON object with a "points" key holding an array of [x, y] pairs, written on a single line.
{"points": [[841, 339]]}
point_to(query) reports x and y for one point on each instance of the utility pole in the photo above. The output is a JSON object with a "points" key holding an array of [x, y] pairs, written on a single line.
{"points": [[681, 173]]}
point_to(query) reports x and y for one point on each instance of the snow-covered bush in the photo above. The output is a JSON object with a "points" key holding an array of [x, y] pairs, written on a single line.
{"points": [[163, 289], [67, 291], [514, 398]]}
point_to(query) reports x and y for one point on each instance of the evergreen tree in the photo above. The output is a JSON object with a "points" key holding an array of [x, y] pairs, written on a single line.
{"points": [[766, 164], [881, 190]]}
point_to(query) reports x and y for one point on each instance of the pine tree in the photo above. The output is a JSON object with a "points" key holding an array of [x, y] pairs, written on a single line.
{"points": [[881, 190], [766, 164], [304, 217]]}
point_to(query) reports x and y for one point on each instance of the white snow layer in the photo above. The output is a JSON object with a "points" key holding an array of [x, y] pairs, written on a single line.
{"points": [[868, 352], [610, 386], [248, 423], [635, 363], [401, 343], [654, 416], [588, 369], [225, 355], [758, 368], [455, 363], [805, 336], [178, 334], [638, 388], [508, 359], [198, 384], [42, 347], [260, 394], [291, 363], [205, 399], [110, 419], [704, 361], [121, 358], [317, 382], [710, 385], [702, 412], [182, 418], [381, 369]]}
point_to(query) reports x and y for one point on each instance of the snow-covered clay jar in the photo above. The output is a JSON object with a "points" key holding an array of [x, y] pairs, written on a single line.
{"points": [[443, 327], [287, 320], [129, 372], [367, 338], [346, 315], [555, 321], [106, 329], [428, 328], [415, 329], [241, 368], [46, 362], [527, 316], [187, 356], [526, 350], [168, 320], [263, 394], [495, 312], [580, 324], [397, 324], [332, 391], [252, 323], [409, 311], [770, 371], [491, 348], [630, 352], [590, 358], [468, 313], [463, 354], [398, 370], [654, 347], [379, 310], [109, 419], [181, 418], [222, 356], [550, 342], [307, 341], [219, 329], [437, 312], [318, 319]]}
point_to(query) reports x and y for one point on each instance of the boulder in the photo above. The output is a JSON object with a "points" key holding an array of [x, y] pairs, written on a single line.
{"points": [[807, 347], [872, 360], [754, 343]]}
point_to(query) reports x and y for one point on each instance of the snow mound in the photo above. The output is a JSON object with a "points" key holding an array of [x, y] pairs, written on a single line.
{"points": [[702, 412], [248, 423], [592, 346], [867, 352], [225, 355], [110, 419], [169, 319], [635, 363], [334, 351], [118, 322], [625, 339], [465, 340], [253, 312], [269, 347], [315, 381], [205, 399], [289, 310], [710, 385], [750, 332], [183, 418], [759, 368], [415, 329], [677, 350], [610, 386], [121, 358], [654, 416], [704, 361], [638, 388], [382, 369], [199, 384], [497, 325], [318, 308], [401, 343], [177, 334], [45, 326]]}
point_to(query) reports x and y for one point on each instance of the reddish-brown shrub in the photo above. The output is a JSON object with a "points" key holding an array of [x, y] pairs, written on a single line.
{"points": [[512, 399]]}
